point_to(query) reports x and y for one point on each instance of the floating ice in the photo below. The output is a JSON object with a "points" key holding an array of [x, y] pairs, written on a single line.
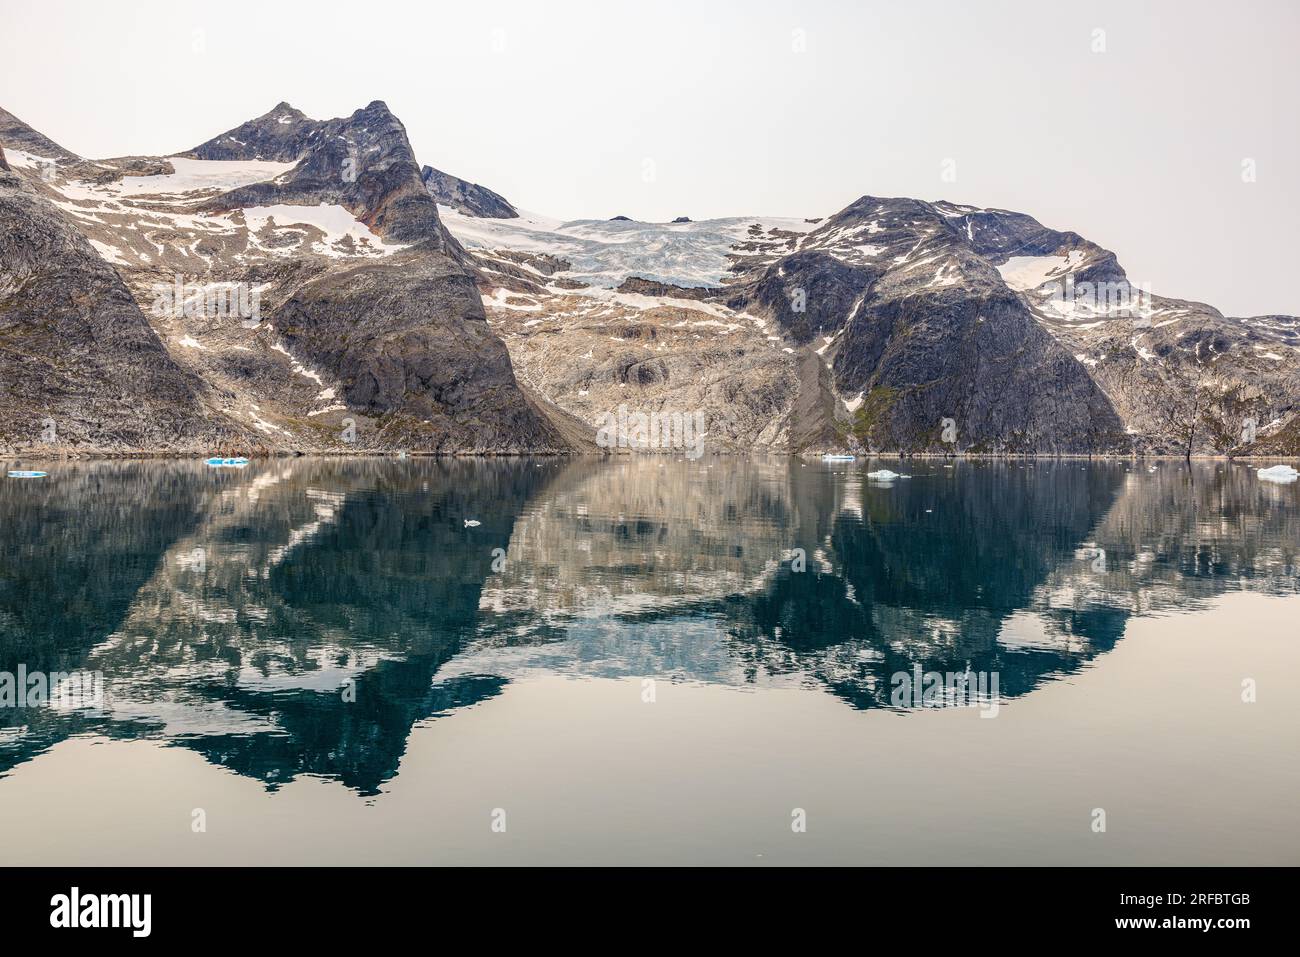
{"points": [[1278, 473]]}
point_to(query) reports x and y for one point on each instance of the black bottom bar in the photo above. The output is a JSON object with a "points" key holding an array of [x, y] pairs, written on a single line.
{"points": [[335, 906]]}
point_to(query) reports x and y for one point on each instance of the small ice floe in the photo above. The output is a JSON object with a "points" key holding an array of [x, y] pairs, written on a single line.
{"points": [[885, 475], [472, 523], [1277, 473], [217, 462], [26, 473]]}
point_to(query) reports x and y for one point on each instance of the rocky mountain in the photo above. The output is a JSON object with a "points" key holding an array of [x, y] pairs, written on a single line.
{"points": [[74, 342], [895, 325], [468, 198], [293, 271], [920, 333], [17, 135], [307, 285]]}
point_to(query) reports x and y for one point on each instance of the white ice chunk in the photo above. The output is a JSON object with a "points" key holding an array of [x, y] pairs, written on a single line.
{"points": [[1278, 473]]}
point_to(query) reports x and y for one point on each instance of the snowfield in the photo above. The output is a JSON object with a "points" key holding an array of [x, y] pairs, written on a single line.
{"points": [[1023, 273], [201, 175], [604, 253], [334, 221], [139, 198]]}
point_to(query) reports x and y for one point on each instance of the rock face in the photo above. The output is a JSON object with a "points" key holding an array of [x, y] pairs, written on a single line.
{"points": [[363, 162], [469, 198], [293, 271], [292, 285], [1182, 376], [76, 350], [17, 135], [926, 344], [895, 325], [410, 342]]}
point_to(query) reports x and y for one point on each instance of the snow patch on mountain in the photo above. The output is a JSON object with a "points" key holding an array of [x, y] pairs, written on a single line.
{"points": [[110, 253], [21, 159], [605, 253], [1030, 272], [194, 175], [334, 221]]}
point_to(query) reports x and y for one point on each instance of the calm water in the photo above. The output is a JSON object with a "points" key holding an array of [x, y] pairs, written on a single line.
{"points": [[650, 660]]}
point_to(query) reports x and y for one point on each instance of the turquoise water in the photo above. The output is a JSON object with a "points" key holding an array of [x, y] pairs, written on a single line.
{"points": [[299, 623]]}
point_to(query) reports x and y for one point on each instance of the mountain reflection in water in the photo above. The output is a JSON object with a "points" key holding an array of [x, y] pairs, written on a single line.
{"points": [[301, 616]]}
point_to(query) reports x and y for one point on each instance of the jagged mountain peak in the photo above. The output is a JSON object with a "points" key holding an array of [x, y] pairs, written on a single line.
{"points": [[309, 282], [363, 162], [17, 135], [279, 135], [862, 329], [284, 134], [377, 112], [466, 197]]}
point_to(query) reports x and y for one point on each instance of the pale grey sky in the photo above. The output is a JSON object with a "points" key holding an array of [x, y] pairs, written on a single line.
{"points": [[739, 108]]}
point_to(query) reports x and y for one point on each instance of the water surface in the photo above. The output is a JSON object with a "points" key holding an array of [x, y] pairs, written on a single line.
{"points": [[650, 660]]}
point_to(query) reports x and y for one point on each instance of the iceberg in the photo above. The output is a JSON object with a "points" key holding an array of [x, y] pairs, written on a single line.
{"points": [[1278, 473]]}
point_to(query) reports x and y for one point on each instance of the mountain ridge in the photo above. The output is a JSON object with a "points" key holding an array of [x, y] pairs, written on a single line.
{"points": [[434, 316]]}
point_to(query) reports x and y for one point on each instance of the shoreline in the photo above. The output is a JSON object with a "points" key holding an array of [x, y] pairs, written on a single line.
{"points": [[11, 458]]}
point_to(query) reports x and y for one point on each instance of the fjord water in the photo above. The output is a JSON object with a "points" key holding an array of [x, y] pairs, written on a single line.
{"points": [[650, 660]]}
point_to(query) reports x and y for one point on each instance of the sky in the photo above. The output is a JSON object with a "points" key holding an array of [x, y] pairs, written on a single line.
{"points": [[1165, 130]]}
